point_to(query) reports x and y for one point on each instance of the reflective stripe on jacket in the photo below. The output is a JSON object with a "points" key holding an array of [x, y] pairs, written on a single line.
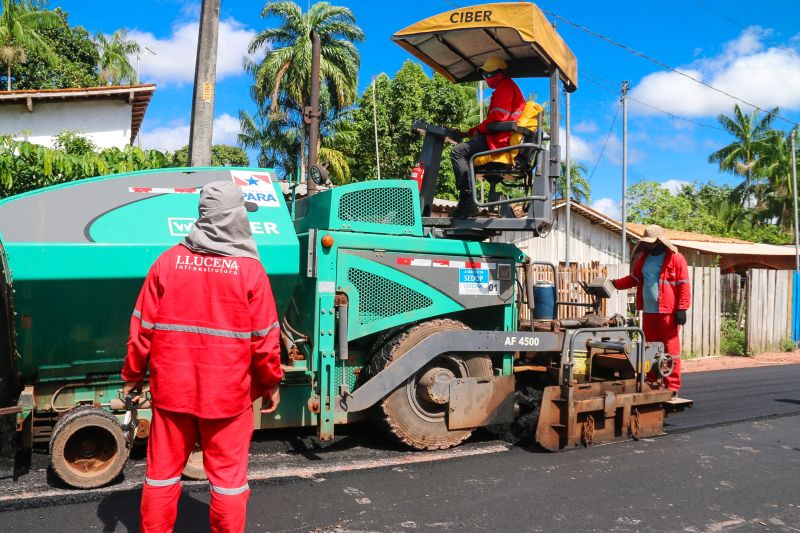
{"points": [[674, 291], [209, 328], [506, 104]]}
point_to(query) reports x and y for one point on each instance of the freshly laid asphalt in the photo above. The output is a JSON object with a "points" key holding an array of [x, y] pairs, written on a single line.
{"points": [[732, 463]]}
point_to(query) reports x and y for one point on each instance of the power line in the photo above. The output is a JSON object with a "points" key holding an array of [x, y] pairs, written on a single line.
{"points": [[742, 26], [663, 65], [720, 15], [599, 157], [589, 77]]}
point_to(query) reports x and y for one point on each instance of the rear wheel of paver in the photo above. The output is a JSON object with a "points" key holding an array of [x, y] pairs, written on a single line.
{"points": [[416, 412], [88, 448], [194, 466]]}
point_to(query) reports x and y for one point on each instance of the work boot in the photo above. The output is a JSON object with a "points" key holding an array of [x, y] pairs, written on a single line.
{"points": [[466, 208]]}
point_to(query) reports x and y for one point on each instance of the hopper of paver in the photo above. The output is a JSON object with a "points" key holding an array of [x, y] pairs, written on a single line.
{"points": [[75, 255]]}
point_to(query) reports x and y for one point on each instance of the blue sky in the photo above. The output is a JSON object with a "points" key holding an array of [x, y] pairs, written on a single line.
{"points": [[751, 53]]}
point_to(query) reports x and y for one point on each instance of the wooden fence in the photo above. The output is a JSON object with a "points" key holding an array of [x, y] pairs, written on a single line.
{"points": [[769, 310], [701, 333]]}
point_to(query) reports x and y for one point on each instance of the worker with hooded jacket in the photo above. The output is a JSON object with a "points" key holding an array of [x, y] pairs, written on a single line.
{"points": [[206, 322], [507, 104], [661, 277]]}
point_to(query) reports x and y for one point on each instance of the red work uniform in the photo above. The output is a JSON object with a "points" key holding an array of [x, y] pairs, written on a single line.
{"points": [[674, 294], [507, 104], [209, 328]]}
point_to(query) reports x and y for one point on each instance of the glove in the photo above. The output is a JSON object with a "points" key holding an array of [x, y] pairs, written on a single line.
{"points": [[680, 317]]}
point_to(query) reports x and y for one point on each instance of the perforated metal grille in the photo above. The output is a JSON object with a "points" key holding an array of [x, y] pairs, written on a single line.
{"points": [[391, 205], [379, 297], [350, 376]]}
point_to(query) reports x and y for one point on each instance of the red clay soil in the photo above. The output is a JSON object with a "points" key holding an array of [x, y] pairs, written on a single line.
{"points": [[727, 362]]}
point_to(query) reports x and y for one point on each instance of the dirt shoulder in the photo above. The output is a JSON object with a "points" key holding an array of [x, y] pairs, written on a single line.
{"points": [[725, 362]]}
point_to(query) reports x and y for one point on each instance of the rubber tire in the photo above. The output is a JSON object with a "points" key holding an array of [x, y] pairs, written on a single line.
{"points": [[395, 415], [75, 420], [194, 469]]}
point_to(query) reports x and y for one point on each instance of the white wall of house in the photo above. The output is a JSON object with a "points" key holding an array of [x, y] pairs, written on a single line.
{"points": [[590, 242], [107, 122]]}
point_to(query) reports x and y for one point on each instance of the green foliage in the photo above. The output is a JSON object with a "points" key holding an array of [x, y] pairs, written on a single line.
{"points": [[732, 338], [22, 27], [222, 155], [579, 186], [286, 67], [709, 208], [411, 95], [115, 67], [73, 143], [26, 166], [788, 345], [63, 56]]}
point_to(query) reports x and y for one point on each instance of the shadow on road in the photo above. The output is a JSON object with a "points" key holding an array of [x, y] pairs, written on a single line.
{"points": [[122, 509], [787, 400]]}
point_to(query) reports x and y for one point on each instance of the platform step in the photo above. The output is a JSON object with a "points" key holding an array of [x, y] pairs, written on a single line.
{"points": [[678, 404]]}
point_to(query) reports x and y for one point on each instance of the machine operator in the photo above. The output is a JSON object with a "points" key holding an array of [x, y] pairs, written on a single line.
{"points": [[507, 104]]}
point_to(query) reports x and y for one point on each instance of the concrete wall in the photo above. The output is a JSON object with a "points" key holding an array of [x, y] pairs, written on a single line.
{"points": [[106, 122]]}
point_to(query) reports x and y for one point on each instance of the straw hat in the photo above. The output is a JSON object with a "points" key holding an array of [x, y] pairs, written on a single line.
{"points": [[653, 233]]}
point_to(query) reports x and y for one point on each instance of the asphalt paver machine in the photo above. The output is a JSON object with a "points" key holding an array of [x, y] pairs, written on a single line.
{"points": [[386, 314]]}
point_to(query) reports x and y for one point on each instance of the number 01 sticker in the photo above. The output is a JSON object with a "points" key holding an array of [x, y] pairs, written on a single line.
{"points": [[476, 282]]}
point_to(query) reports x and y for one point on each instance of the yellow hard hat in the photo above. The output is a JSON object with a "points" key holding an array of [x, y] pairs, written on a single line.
{"points": [[493, 64]]}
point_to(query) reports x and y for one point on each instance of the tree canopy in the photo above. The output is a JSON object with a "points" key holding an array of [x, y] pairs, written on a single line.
{"points": [[222, 155], [69, 59]]}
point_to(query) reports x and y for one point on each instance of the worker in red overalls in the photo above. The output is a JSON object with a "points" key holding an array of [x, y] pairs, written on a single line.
{"points": [[206, 321], [507, 104], [661, 277]]}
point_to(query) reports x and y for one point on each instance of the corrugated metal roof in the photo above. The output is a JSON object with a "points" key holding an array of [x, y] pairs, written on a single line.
{"points": [[735, 248]]}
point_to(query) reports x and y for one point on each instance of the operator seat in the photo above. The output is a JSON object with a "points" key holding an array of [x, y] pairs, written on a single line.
{"points": [[513, 165]]}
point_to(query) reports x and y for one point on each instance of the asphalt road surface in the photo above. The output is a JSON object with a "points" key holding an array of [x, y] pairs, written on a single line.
{"points": [[730, 464]]}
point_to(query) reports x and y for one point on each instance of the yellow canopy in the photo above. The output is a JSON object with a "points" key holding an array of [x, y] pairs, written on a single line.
{"points": [[456, 43]]}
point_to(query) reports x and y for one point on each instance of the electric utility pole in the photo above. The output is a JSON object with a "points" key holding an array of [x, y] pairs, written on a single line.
{"points": [[792, 137], [205, 73], [568, 192], [624, 170]]}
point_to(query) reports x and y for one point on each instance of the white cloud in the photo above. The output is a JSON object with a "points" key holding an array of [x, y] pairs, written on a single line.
{"points": [[674, 186], [608, 206], [174, 61], [226, 127], [579, 148], [587, 126], [766, 77]]}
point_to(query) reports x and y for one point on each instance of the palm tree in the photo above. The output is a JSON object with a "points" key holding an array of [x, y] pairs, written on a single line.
{"points": [[579, 187], [115, 65], [287, 64], [276, 137], [741, 156], [775, 165], [20, 22]]}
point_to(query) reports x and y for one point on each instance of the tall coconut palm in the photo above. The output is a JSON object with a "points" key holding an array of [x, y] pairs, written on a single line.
{"points": [[775, 165], [20, 22], [741, 156], [579, 186], [115, 66], [287, 64]]}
